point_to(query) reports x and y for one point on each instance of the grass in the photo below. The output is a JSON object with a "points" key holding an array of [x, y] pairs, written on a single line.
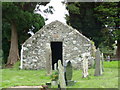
{"points": [[23, 77], [16, 77]]}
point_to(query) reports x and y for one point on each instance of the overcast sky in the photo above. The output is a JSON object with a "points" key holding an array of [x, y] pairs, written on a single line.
{"points": [[59, 11]]}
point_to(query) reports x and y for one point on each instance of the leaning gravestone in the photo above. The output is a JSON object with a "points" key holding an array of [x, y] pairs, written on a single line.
{"points": [[85, 66], [98, 66], [61, 75], [48, 59], [69, 72]]}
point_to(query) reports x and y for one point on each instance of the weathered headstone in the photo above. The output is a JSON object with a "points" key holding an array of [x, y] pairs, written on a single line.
{"points": [[108, 58], [85, 65], [92, 62], [54, 83], [98, 66], [48, 59], [102, 58], [69, 71], [61, 75], [55, 66]]}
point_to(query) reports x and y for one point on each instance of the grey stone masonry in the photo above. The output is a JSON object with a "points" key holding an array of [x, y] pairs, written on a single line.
{"points": [[74, 44]]}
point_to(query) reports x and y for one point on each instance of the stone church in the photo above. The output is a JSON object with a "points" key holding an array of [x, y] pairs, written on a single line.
{"points": [[56, 41]]}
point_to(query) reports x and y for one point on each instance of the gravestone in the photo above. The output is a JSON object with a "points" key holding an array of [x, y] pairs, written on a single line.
{"points": [[102, 58], [61, 79], [92, 62], [69, 71], [55, 66], [108, 58], [48, 59], [85, 66], [98, 64]]}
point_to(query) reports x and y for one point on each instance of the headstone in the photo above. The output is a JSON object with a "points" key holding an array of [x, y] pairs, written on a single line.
{"points": [[48, 59], [115, 47], [102, 58], [98, 65], [85, 66], [69, 71], [55, 66], [54, 83], [61, 75], [91, 61], [108, 58]]}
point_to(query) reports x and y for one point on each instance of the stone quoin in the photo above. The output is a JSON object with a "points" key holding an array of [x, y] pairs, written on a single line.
{"points": [[65, 43]]}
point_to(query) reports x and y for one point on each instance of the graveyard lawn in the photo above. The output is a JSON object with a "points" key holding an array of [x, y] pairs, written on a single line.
{"points": [[109, 79]]}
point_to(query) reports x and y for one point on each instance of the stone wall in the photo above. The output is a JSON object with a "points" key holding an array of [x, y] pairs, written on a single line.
{"points": [[74, 44]]}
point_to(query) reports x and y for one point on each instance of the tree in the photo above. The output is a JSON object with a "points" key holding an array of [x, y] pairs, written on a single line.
{"points": [[108, 14], [19, 18], [82, 18], [98, 21]]}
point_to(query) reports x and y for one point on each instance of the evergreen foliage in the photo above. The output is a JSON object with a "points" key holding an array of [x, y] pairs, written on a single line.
{"points": [[22, 14]]}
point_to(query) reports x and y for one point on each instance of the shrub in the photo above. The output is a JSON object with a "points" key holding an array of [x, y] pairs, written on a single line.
{"points": [[54, 76]]}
